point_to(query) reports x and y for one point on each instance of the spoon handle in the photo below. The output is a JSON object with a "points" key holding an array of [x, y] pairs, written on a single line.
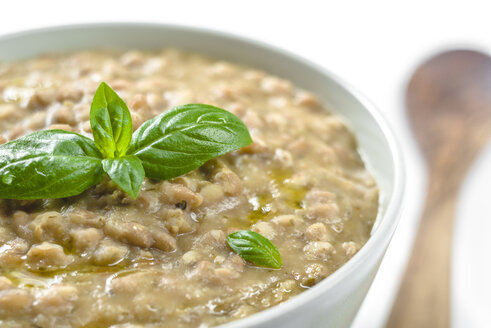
{"points": [[424, 296]]}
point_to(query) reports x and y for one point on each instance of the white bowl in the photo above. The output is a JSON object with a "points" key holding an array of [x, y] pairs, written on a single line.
{"points": [[335, 301]]}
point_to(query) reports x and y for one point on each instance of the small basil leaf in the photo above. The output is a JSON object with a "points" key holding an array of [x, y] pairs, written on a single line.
{"points": [[127, 172], [48, 164], [111, 122], [255, 248], [184, 138]]}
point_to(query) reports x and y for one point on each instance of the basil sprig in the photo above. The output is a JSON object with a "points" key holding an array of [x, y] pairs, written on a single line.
{"points": [[57, 163], [111, 122], [255, 248], [127, 172], [51, 163], [183, 139]]}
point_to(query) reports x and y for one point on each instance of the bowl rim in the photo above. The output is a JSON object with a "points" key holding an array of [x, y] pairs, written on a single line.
{"points": [[390, 217]]}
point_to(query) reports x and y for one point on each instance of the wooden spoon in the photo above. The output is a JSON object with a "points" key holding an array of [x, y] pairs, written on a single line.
{"points": [[449, 106]]}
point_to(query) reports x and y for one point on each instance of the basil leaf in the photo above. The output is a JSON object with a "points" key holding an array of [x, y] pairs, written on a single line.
{"points": [[111, 122], [185, 137], [48, 164], [127, 172], [255, 248]]}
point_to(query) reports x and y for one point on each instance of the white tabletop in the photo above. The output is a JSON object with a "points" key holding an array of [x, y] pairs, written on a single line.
{"points": [[375, 45]]}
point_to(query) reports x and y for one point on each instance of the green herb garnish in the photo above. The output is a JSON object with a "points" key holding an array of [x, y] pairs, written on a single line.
{"points": [[111, 122], [57, 163], [255, 248]]}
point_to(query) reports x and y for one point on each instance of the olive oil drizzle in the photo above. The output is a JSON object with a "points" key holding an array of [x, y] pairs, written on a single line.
{"points": [[264, 204]]}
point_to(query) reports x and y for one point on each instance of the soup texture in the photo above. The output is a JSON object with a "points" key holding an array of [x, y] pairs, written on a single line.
{"points": [[103, 259]]}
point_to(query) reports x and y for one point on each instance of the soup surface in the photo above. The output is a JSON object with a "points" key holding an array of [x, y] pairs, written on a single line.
{"points": [[102, 259]]}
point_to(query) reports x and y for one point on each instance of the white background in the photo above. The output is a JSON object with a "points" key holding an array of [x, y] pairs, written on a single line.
{"points": [[375, 45]]}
